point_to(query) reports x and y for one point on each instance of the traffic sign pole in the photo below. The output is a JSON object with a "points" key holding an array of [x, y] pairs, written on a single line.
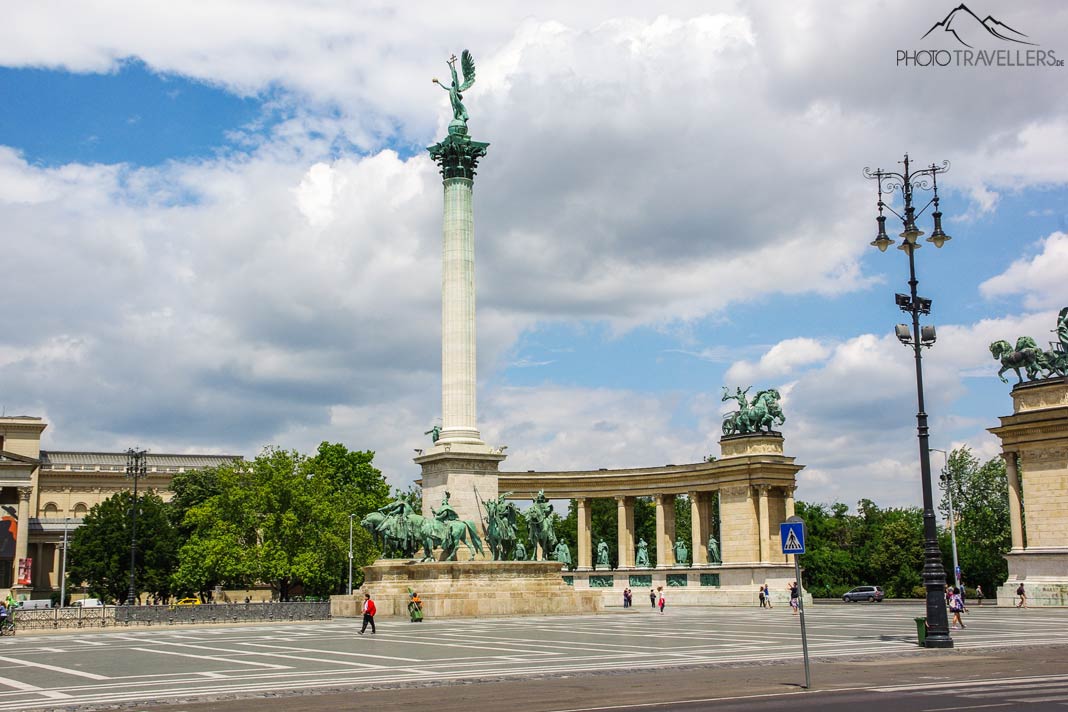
{"points": [[792, 533]]}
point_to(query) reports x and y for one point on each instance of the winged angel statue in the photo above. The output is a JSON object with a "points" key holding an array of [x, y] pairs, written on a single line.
{"points": [[467, 64]]}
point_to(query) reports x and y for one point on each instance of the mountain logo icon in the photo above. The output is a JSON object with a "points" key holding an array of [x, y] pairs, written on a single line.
{"points": [[966, 26]]}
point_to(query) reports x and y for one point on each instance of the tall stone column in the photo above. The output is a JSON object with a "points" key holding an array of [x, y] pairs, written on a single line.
{"points": [[665, 530], [458, 156], [585, 526], [1015, 508], [459, 463], [788, 493], [698, 528], [625, 532], [22, 541], [762, 523]]}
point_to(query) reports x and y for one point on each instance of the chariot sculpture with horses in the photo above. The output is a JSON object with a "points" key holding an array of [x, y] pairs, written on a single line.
{"points": [[761, 415]]}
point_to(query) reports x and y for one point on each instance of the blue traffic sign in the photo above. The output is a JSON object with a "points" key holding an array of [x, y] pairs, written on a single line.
{"points": [[792, 535]]}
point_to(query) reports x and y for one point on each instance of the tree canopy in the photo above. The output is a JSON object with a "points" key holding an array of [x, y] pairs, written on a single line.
{"points": [[99, 554]]}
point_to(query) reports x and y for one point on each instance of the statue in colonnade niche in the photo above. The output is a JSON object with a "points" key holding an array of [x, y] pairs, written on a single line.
{"points": [[563, 554], [520, 551], [602, 555], [682, 554], [714, 556], [641, 560]]}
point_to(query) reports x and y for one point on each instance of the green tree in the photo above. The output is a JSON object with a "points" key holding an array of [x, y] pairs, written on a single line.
{"points": [[99, 552], [282, 519], [981, 508]]}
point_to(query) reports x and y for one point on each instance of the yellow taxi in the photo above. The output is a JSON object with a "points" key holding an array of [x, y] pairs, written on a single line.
{"points": [[187, 602]]}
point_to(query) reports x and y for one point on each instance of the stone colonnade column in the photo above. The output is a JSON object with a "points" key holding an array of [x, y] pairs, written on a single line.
{"points": [[22, 541], [762, 523], [1015, 508], [625, 532], [699, 527], [788, 493], [585, 524], [665, 530]]}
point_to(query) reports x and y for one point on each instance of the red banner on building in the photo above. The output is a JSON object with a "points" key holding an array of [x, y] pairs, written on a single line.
{"points": [[25, 567]]}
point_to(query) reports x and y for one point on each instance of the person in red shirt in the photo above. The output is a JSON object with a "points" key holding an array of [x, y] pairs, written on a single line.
{"points": [[368, 613]]}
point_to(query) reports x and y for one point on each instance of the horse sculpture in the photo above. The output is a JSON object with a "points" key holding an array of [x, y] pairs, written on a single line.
{"points": [[1026, 355], [540, 532], [501, 518], [763, 413]]}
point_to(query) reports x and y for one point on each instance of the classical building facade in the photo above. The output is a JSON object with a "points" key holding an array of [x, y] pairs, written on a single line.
{"points": [[45, 492]]}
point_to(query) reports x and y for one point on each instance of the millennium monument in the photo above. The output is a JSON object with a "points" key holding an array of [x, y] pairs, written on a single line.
{"points": [[1034, 443], [459, 467], [462, 553]]}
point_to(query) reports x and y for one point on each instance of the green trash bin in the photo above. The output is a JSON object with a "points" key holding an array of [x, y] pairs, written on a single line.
{"points": [[921, 631]]}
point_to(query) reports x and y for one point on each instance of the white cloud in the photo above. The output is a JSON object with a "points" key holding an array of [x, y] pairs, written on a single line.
{"points": [[648, 167], [1040, 279]]}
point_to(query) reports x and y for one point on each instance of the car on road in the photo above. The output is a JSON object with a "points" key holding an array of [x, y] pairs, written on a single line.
{"points": [[88, 603], [187, 602], [872, 594]]}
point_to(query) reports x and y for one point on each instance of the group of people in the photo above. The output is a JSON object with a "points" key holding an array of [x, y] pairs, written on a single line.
{"points": [[765, 596]]}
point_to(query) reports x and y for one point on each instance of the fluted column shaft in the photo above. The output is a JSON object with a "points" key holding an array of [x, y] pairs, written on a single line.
{"points": [[625, 532], [698, 528], [1015, 505], [22, 540], [585, 524], [665, 530], [762, 523], [458, 351]]}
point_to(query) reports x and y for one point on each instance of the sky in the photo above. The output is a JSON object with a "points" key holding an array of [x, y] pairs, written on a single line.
{"points": [[221, 229]]}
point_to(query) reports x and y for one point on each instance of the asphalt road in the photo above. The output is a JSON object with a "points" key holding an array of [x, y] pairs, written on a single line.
{"points": [[743, 658]]}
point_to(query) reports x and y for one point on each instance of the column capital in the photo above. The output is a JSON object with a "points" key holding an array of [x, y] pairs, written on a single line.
{"points": [[1009, 455], [457, 156], [25, 493], [763, 490]]}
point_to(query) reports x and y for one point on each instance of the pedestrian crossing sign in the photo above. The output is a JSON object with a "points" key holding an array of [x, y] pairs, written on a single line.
{"points": [[793, 537]]}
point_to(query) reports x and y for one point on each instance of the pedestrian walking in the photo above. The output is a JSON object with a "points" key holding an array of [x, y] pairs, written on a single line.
{"points": [[626, 598], [978, 594], [1023, 596], [956, 606], [368, 613], [661, 601], [652, 598], [762, 596], [767, 596], [795, 594]]}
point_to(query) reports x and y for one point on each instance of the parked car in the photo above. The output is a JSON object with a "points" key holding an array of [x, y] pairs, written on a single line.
{"points": [[872, 594], [187, 602], [35, 604], [88, 603]]}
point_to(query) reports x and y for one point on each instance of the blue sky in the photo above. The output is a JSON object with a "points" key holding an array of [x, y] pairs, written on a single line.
{"points": [[244, 229]]}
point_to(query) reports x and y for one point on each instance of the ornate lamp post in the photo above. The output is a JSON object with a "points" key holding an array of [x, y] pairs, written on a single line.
{"points": [[908, 181], [136, 468], [946, 478]]}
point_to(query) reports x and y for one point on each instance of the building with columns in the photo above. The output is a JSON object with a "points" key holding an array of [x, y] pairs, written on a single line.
{"points": [[44, 492], [1034, 443], [754, 484]]}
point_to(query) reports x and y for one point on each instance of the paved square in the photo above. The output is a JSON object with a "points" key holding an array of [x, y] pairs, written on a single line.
{"points": [[142, 664]]}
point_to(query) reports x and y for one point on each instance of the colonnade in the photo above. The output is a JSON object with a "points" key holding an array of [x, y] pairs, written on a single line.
{"points": [[749, 521]]}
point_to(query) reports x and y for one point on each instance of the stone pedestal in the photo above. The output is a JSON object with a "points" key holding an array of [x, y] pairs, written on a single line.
{"points": [[710, 585], [468, 589], [1034, 440], [467, 472]]}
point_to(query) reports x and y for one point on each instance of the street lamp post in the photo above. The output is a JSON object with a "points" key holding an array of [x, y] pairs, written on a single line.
{"points": [[947, 484], [136, 468], [63, 567], [350, 553], [889, 182]]}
